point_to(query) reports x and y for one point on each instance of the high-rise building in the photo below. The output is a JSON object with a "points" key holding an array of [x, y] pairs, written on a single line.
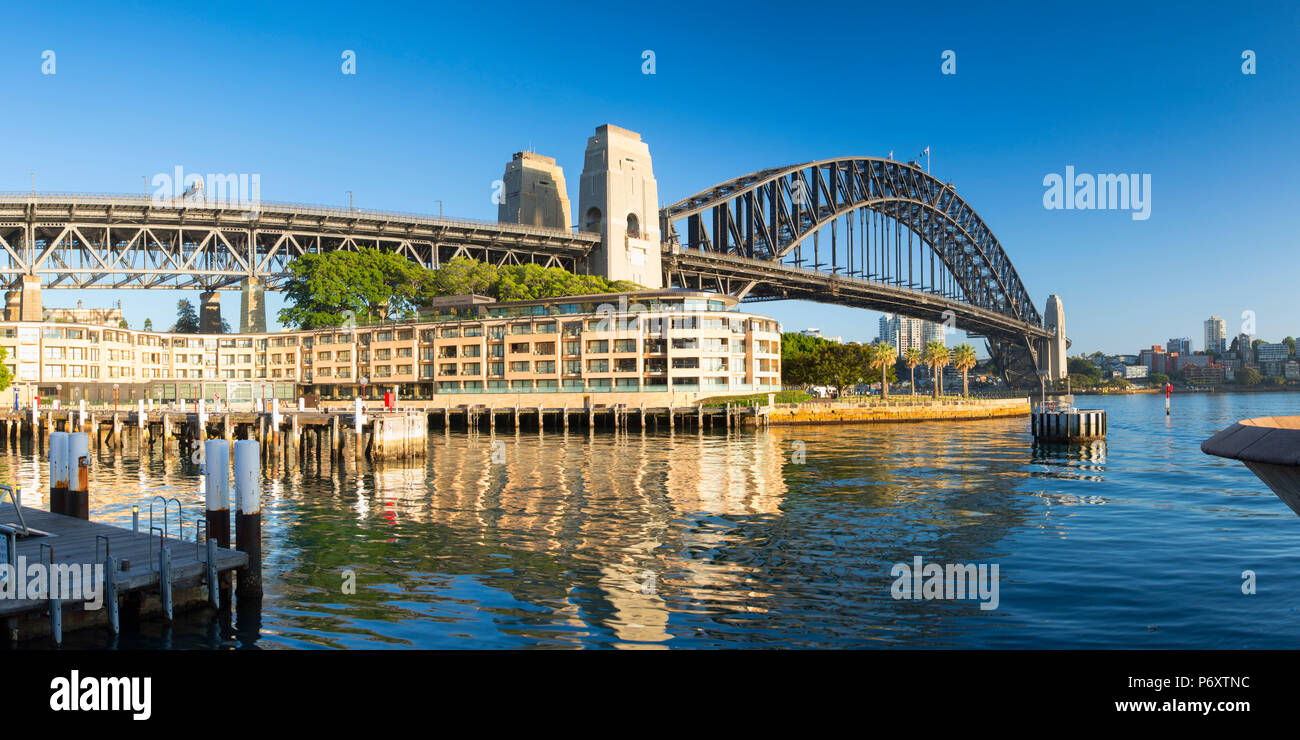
{"points": [[1216, 335], [1181, 345], [1244, 349], [904, 332]]}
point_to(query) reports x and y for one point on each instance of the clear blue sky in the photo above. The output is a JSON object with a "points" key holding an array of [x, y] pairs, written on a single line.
{"points": [[445, 94]]}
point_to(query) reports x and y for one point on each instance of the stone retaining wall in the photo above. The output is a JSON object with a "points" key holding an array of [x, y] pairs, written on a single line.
{"points": [[851, 413]]}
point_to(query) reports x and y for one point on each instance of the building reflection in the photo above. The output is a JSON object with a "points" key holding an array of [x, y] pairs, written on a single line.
{"points": [[627, 539]]}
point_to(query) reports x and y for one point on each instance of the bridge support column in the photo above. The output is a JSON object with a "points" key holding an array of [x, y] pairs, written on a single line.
{"points": [[210, 312], [24, 303], [252, 307]]}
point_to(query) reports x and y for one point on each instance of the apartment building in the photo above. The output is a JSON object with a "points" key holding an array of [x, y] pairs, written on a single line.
{"points": [[629, 342]]}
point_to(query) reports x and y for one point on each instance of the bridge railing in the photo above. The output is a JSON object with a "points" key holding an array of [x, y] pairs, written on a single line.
{"points": [[280, 207]]}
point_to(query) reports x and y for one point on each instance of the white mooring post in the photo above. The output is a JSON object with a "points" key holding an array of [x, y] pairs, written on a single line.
{"points": [[58, 473], [81, 411], [248, 519]]}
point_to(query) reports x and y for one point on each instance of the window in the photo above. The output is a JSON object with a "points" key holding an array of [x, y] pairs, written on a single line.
{"points": [[546, 367], [593, 220], [471, 350], [633, 226], [624, 345], [598, 346], [573, 348], [625, 365], [519, 348], [597, 366], [519, 367]]}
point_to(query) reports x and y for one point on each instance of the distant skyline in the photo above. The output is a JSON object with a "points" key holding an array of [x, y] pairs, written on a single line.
{"points": [[444, 96]]}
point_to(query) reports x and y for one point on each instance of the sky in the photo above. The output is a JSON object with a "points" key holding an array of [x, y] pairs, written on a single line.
{"points": [[444, 94]]}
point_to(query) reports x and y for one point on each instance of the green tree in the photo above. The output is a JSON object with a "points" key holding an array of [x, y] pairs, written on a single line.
{"points": [[5, 376], [187, 320], [912, 357], [1290, 345], [937, 357], [327, 289], [1083, 373], [1159, 379], [148, 324], [963, 358], [1248, 377], [882, 357]]}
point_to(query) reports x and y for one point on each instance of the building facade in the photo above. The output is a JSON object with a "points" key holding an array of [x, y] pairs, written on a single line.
{"points": [[1216, 335], [654, 341], [904, 332]]}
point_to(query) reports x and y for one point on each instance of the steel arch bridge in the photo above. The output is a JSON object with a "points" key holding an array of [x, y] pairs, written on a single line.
{"points": [[899, 241]]}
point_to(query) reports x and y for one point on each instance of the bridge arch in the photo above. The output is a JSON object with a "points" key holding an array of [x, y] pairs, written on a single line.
{"points": [[768, 215], [751, 235]]}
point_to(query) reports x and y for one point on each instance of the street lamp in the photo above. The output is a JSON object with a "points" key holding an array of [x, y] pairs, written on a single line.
{"points": [[58, 394], [1042, 381]]}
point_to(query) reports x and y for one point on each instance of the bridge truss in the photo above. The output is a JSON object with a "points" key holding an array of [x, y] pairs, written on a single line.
{"points": [[861, 231], [118, 241]]}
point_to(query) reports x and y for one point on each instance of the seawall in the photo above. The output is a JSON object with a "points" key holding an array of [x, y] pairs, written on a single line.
{"points": [[896, 411]]}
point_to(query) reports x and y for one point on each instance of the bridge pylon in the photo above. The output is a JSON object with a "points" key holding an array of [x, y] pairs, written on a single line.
{"points": [[619, 199], [24, 302]]}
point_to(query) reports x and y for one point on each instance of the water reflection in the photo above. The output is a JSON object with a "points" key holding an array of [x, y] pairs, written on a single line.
{"points": [[782, 536]]}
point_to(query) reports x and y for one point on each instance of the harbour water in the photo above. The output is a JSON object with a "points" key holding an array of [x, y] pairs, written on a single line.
{"points": [[780, 538]]}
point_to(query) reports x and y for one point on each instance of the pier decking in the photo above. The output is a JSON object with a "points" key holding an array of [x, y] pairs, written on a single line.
{"points": [[69, 541]]}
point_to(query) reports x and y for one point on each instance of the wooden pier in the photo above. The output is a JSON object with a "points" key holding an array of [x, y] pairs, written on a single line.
{"points": [[132, 590], [286, 436]]}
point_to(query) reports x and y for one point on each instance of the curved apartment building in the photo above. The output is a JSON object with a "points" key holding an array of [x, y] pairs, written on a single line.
{"points": [[686, 343]]}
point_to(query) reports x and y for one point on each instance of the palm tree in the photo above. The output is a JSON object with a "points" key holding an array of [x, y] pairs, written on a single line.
{"points": [[937, 357], [912, 356], [963, 358], [882, 356]]}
